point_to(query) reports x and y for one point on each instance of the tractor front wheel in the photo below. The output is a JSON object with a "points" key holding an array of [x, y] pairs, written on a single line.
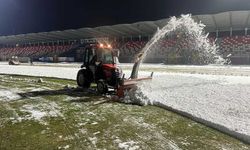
{"points": [[82, 79], [102, 87]]}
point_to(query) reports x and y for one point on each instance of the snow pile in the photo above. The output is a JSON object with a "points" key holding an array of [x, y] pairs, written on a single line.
{"points": [[93, 140], [39, 111], [64, 147], [218, 101], [8, 95], [130, 145], [34, 113]]}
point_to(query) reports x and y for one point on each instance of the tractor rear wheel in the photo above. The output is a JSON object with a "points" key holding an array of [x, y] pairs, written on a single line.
{"points": [[102, 87], [82, 79]]}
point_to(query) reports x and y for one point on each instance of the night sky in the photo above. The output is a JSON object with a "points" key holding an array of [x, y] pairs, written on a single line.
{"points": [[28, 16]]}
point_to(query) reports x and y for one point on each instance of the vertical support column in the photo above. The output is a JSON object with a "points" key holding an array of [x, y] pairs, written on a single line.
{"points": [[231, 32], [217, 33], [246, 31]]}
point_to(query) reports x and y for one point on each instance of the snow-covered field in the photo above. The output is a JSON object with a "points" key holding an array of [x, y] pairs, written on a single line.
{"points": [[58, 72], [221, 101]]}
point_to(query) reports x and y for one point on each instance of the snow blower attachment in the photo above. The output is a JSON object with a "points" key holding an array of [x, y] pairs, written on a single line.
{"points": [[131, 83], [100, 67]]}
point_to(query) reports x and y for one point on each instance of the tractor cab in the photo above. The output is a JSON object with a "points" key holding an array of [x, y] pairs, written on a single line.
{"points": [[99, 54], [100, 67]]}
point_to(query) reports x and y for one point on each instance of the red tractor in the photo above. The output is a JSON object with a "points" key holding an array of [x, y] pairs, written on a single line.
{"points": [[100, 67]]}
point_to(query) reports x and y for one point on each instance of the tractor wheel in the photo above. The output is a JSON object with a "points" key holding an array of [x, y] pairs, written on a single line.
{"points": [[102, 87], [82, 79]]}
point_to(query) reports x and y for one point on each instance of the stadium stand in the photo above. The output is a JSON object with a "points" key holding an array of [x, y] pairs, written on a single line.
{"points": [[34, 51], [237, 46], [230, 29]]}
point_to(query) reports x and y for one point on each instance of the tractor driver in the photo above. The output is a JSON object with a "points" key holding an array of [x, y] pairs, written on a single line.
{"points": [[96, 67], [92, 64], [93, 60]]}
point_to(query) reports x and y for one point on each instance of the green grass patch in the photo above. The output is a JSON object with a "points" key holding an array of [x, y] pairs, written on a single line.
{"points": [[48, 116]]}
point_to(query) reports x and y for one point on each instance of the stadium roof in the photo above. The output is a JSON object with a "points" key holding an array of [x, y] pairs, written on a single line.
{"points": [[237, 20]]}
